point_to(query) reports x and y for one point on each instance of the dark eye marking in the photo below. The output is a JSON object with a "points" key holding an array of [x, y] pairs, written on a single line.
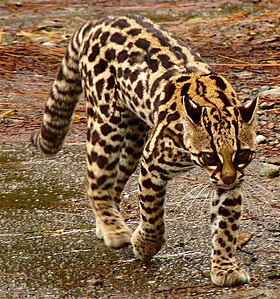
{"points": [[243, 157], [209, 159]]}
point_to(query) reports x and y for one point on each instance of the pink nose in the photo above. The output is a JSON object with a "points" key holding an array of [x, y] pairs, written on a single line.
{"points": [[228, 180]]}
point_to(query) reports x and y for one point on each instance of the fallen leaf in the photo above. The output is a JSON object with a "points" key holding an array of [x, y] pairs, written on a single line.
{"points": [[4, 114]]}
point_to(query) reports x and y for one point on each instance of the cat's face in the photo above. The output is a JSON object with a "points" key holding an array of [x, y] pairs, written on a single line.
{"points": [[221, 141]]}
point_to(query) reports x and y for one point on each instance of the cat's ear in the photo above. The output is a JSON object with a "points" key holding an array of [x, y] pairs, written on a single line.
{"points": [[249, 110], [193, 110]]}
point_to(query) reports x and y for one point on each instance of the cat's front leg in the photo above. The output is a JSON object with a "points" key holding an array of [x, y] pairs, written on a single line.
{"points": [[149, 237], [225, 221]]}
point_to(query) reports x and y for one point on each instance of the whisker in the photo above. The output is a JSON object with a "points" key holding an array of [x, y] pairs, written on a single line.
{"points": [[182, 202], [248, 204], [205, 212], [259, 185], [196, 197], [259, 202], [260, 196], [190, 192], [204, 184]]}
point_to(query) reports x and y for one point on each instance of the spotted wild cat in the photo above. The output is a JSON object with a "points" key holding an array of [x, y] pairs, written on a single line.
{"points": [[150, 98]]}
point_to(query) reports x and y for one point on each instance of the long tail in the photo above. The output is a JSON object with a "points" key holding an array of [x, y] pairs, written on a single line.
{"points": [[63, 98]]}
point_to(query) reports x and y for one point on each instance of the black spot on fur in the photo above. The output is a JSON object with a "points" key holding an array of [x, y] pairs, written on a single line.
{"points": [[104, 38], [173, 117], [106, 129], [100, 67], [135, 57], [169, 92], [110, 54], [117, 137], [112, 165], [179, 127], [122, 56], [165, 61], [224, 212], [223, 98], [95, 137], [153, 64], [110, 82], [90, 112], [220, 192], [100, 181], [142, 43], [185, 89], [234, 227], [104, 109], [219, 82], [101, 161], [121, 23], [237, 215], [229, 236], [173, 106], [223, 224], [134, 75], [228, 249], [135, 31], [139, 89], [149, 185], [232, 202], [118, 38], [100, 86]]}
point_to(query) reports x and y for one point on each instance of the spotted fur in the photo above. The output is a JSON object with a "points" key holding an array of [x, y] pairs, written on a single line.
{"points": [[150, 98]]}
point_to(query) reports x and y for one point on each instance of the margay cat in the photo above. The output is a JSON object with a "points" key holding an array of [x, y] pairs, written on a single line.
{"points": [[150, 98]]}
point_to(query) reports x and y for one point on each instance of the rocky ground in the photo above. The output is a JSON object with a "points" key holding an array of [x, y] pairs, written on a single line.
{"points": [[48, 248]]}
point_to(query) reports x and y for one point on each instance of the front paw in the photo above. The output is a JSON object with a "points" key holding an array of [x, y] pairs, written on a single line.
{"points": [[145, 247], [230, 277]]}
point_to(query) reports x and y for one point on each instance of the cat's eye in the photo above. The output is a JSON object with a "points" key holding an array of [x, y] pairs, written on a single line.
{"points": [[209, 159], [243, 157]]}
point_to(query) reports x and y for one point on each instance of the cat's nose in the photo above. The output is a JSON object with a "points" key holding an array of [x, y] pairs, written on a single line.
{"points": [[228, 180]]}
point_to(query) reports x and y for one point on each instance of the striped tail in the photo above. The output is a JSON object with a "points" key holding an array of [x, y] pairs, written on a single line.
{"points": [[63, 98]]}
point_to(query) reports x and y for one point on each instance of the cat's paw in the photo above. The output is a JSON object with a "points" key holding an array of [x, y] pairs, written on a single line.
{"points": [[231, 277], [117, 238], [145, 249]]}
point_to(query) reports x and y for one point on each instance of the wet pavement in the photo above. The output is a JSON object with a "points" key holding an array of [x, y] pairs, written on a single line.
{"points": [[48, 247]]}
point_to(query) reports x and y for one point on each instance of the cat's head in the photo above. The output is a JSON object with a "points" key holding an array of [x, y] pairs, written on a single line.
{"points": [[220, 138]]}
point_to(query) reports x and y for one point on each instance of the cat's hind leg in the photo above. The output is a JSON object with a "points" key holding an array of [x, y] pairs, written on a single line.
{"points": [[114, 147]]}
